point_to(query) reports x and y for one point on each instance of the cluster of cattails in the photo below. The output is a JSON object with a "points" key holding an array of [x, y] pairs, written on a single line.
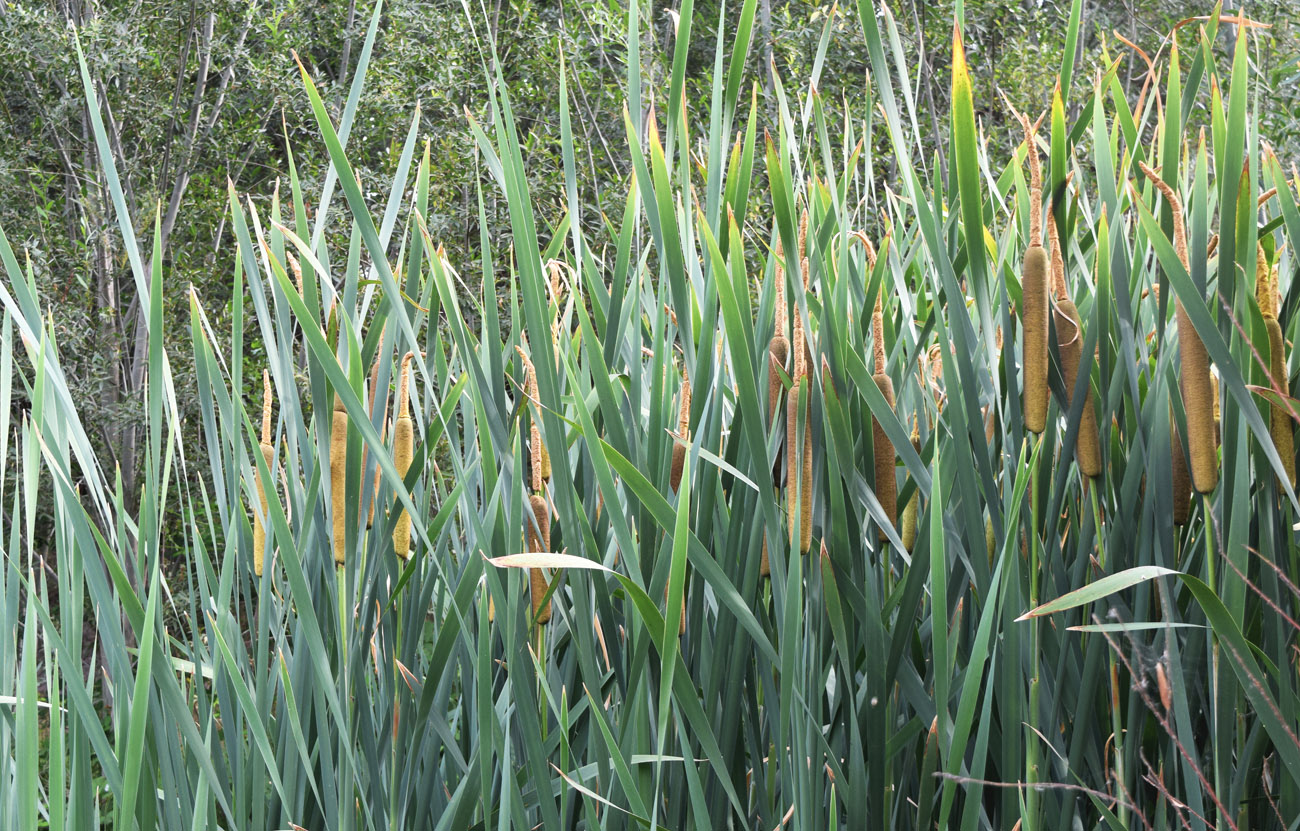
{"points": [[1280, 424]]}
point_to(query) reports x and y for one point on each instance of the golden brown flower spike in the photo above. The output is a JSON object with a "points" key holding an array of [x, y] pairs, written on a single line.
{"points": [[683, 434], [338, 475], [778, 349], [1034, 301], [1069, 345], [778, 354], [1195, 363], [403, 454], [885, 459], [541, 515], [537, 502], [911, 509], [1281, 427], [268, 453]]}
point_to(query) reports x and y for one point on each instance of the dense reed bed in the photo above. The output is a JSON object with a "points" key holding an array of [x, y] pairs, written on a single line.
{"points": [[634, 558]]}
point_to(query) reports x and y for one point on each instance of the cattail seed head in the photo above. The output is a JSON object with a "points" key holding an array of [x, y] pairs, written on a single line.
{"points": [[799, 487], [1069, 337], [1034, 298], [403, 454], [1034, 304], [338, 475], [1281, 427], [911, 509], [778, 352], [268, 453], [684, 434], [541, 514], [1195, 364], [885, 459]]}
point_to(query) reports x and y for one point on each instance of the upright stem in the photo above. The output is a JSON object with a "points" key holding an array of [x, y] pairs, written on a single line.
{"points": [[1033, 753]]}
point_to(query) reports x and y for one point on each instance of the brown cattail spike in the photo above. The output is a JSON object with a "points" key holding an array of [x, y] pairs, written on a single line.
{"points": [[911, 509], [778, 349], [338, 475], [883, 449], [1281, 427], [540, 464], [403, 454], [885, 459], [539, 521], [1034, 303], [1195, 361], [799, 487], [268, 453], [683, 434], [1069, 345]]}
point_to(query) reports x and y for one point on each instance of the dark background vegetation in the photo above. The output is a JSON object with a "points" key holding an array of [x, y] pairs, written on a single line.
{"points": [[199, 93]]}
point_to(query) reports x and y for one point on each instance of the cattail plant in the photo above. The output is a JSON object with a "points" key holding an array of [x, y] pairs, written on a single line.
{"points": [[805, 272], [778, 353], [1195, 364], [683, 434], [403, 453], [338, 475], [268, 453], [1069, 345], [537, 526], [1280, 425], [778, 349], [798, 454], [679, 462], [886, 460], [1034, 303], [910, 510], [537, 533]]}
